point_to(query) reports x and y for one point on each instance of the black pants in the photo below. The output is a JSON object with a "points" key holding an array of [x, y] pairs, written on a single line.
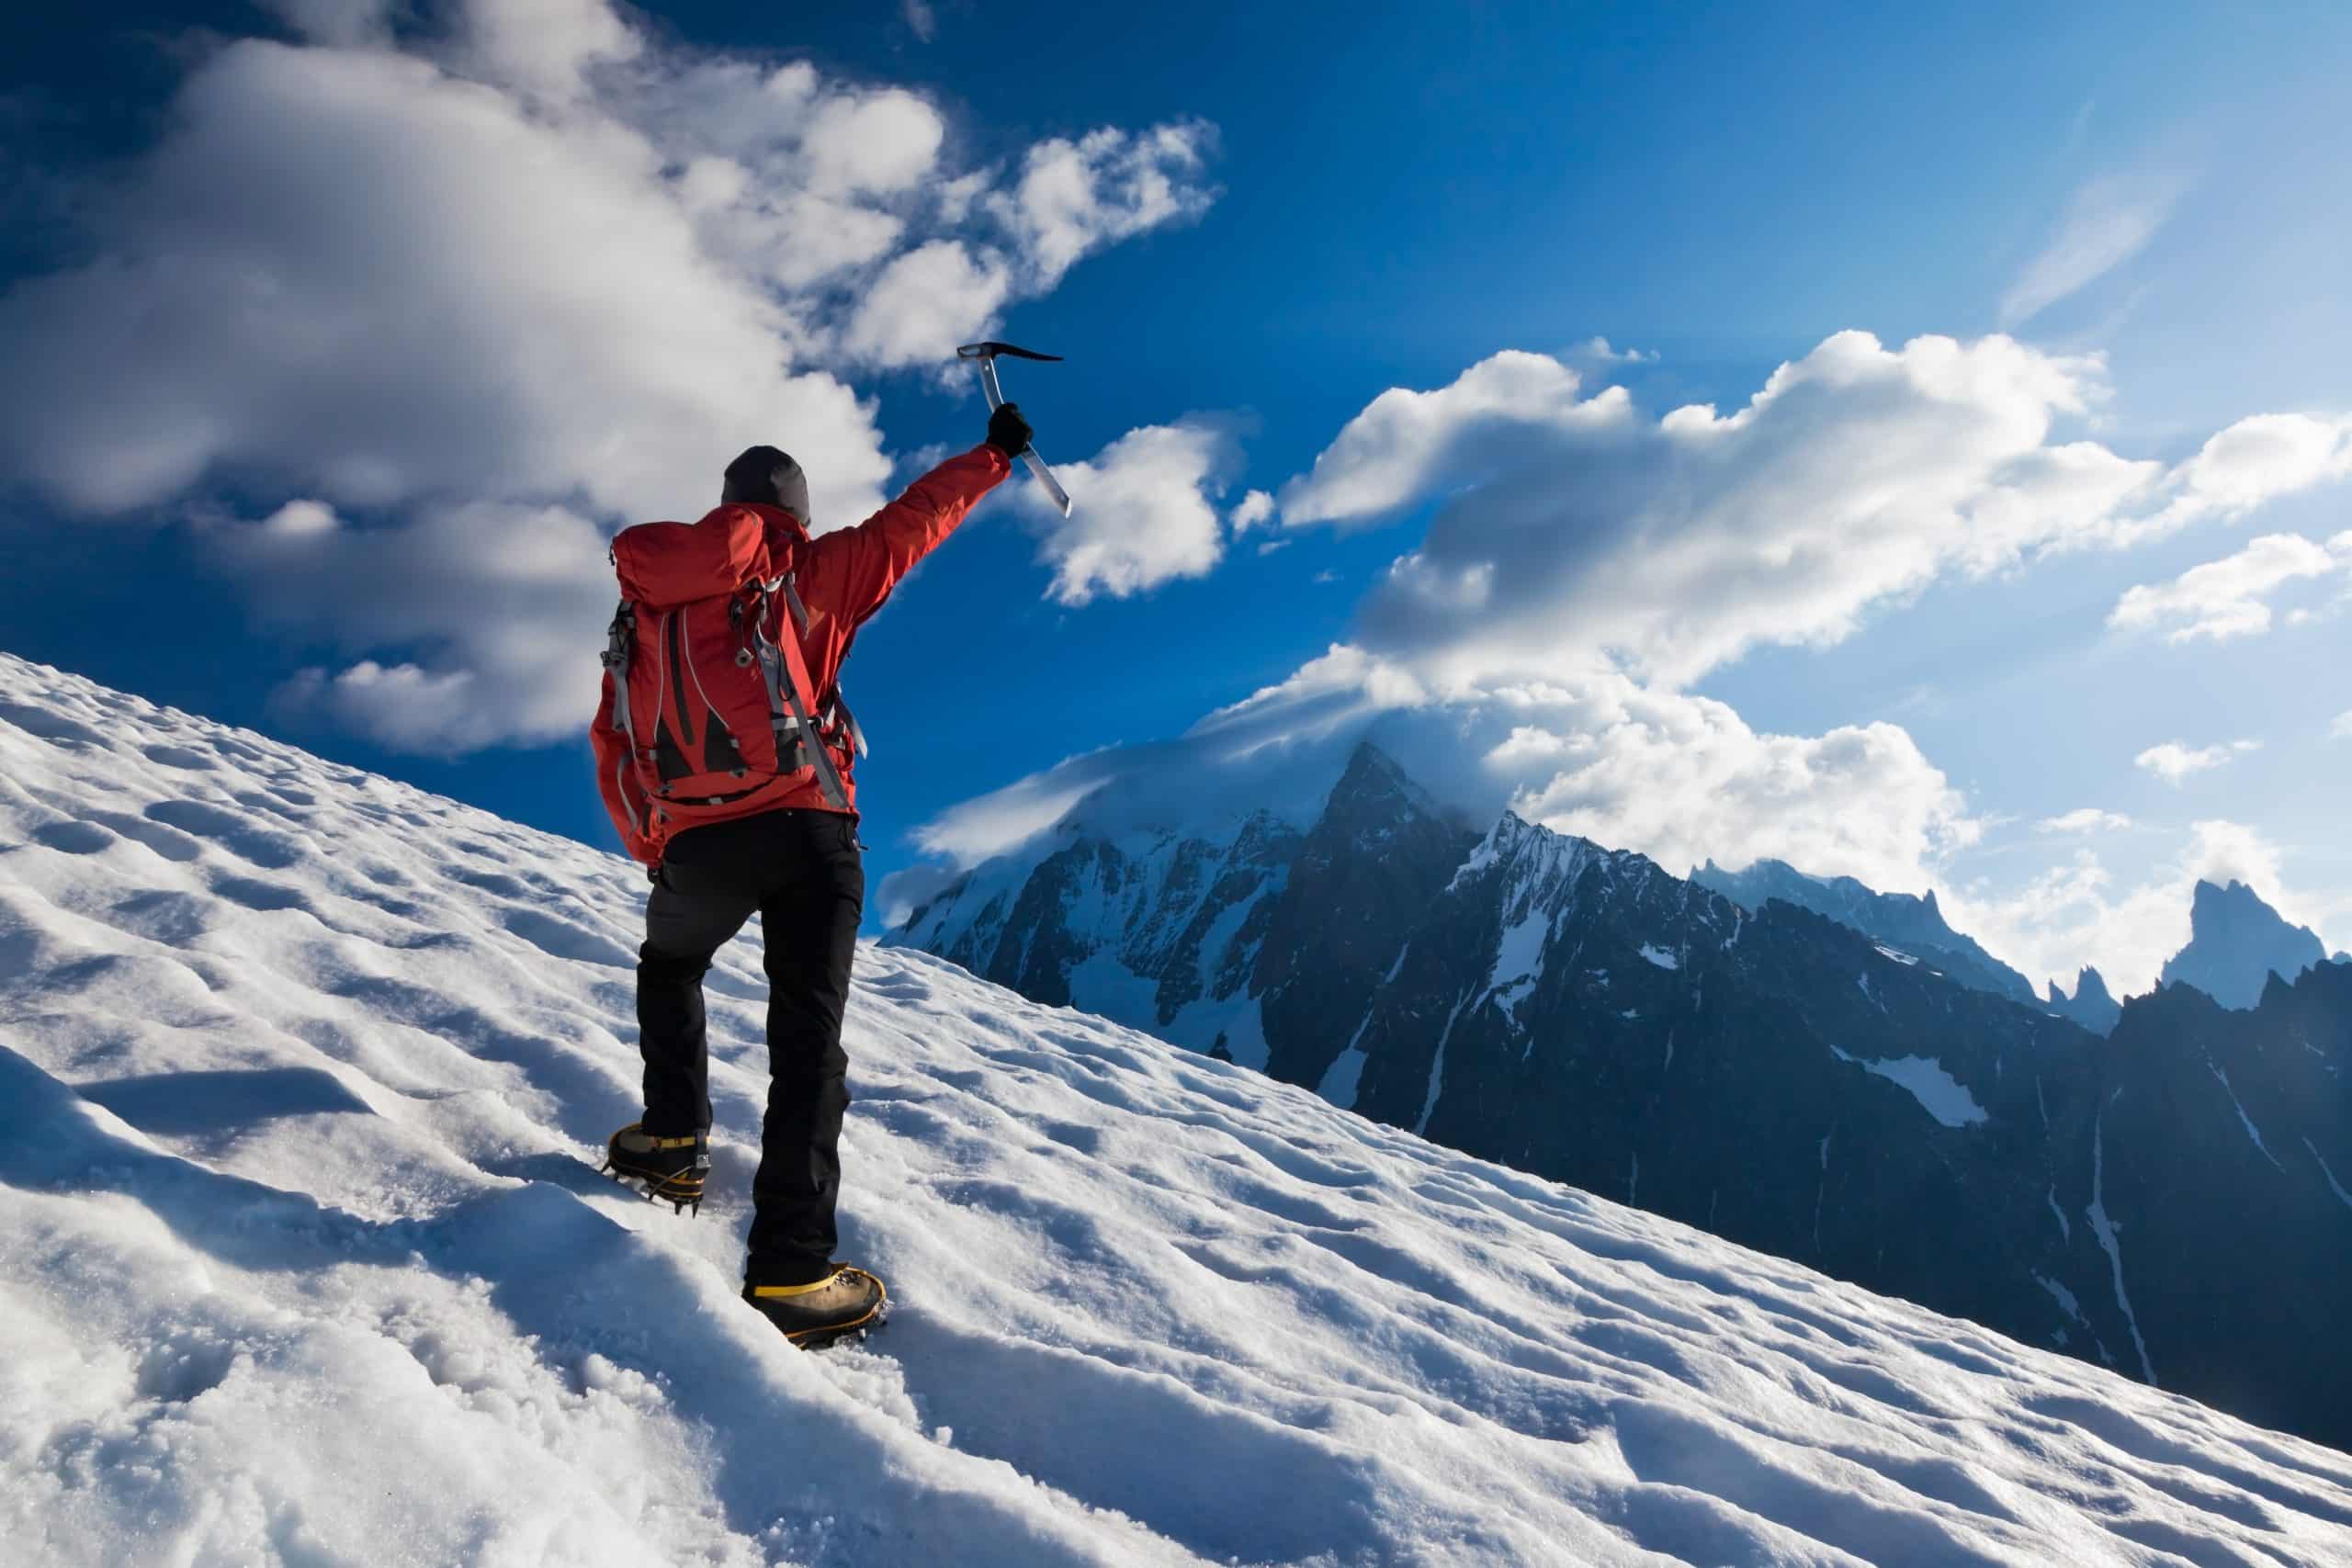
{"points": [[801, 871]]}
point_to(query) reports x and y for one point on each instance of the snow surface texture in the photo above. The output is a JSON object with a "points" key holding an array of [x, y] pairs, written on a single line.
{"points": [[303, 1078]]}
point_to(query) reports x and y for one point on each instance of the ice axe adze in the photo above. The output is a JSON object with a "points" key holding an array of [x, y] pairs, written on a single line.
{"points": [[986, 353]]}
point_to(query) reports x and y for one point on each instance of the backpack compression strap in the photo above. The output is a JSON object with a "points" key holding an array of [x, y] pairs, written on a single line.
{"points": [[620, 639], [787, 710]]}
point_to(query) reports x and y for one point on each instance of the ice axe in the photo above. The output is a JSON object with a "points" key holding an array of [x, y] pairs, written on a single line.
{"points": [[986, 353]]}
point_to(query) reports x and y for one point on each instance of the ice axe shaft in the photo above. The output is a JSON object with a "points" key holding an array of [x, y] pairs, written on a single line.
{"points": [[986, 353]]}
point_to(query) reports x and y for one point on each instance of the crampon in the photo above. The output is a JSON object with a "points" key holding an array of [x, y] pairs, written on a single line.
{"points": [[667, 1170]]}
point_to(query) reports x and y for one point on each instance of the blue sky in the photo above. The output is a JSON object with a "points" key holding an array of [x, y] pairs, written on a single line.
{"points": [[1287, 214]]}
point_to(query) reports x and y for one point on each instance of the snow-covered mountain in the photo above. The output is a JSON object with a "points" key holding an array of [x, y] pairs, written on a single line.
{"points": [[1193, 932], [1909, 921], [1776, 1076], [303, 1077], [2237, 943]]}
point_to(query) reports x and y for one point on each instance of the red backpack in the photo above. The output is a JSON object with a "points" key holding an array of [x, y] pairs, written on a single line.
{"points": [[711, 690]]}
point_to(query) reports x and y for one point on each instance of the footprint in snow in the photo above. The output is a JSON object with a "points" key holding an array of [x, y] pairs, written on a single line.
{"points": [[74, 837], [50, 726], [232, 833]]}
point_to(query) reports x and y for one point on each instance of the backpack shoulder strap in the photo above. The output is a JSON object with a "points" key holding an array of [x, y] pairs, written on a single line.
{"points": [[832, 705]]}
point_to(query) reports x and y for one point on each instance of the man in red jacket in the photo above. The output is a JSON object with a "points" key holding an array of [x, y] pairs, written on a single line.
{"points": [[786, 847]]}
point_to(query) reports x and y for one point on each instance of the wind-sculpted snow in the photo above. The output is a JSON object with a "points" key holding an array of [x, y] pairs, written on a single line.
{"points": [[303, 1078]]}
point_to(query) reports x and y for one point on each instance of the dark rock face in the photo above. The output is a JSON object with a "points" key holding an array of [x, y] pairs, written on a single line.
{"points": [[1904, 920], [1359, 888], [1779, 1078], [2091, 1006], [2237, 943], [1776, 1076], [2222, 1141]]}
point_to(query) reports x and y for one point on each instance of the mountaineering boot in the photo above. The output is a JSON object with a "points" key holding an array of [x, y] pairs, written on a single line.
{"points": [[813, 1315], [673, 1170]]}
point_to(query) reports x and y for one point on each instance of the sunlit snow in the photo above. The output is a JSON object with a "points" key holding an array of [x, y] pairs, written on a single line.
{"points": [[304, 1076]]}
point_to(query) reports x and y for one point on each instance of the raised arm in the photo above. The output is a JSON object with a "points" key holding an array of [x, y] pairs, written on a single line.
{"points": [[851, 571]]}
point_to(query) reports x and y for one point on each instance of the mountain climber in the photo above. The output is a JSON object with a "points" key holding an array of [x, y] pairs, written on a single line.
{"points": [[725, 754]]}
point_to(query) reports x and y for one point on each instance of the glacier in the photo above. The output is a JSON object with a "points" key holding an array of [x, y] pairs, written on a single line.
{"points": [[304, 1075]]}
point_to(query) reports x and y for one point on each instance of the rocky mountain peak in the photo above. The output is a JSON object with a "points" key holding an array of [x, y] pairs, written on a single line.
{"points": [[2092, 1004], [2237, 941], [1373, 782]]}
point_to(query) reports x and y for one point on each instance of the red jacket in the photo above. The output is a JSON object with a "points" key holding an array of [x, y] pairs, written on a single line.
{"points": [[842, 577]]}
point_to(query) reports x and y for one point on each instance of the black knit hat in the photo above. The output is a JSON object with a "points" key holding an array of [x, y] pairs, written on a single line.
{"points": [[764, 475]]}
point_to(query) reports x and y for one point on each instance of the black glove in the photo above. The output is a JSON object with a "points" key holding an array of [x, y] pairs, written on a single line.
{"points": [[1008, 432]]}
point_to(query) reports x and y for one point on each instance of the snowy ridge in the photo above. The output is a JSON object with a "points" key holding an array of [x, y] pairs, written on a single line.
{"points": [[303, 1075], [1150, 926]]}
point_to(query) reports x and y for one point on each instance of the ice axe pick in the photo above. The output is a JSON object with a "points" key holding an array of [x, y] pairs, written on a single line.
{"points": [[986, 355]]}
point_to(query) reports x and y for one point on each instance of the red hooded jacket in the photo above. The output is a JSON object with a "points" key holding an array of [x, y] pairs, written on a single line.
{"points": [[842, 579]]}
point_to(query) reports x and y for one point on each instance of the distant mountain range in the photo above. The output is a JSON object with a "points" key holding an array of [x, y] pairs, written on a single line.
{"points": [[1801, 1065], [1910, 922]]}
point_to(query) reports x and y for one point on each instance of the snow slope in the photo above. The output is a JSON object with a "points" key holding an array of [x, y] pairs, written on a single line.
{"points": [[303, 1077]]}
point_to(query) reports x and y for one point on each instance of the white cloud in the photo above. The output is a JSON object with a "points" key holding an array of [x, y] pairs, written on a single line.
{"points": [[544, 48], [2258, 460], [1142, 512], [971, 831], [1406, 443], [2107, 221], [927, 302], [2342, 728], [1575, 534], [1582, 535], [1074, 197], [505, 604], [1682, 779], [1256, 508], [521, 253], [921, 20], [2224, 598], [2087, 819], [1597, 351], [356, 273], [2174, 762], [880, 141], [2074, 914], [1678, 777]]}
